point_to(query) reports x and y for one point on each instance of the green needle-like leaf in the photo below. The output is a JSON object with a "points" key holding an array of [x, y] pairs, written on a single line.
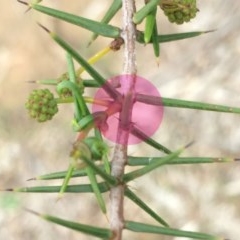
{"points": [[91, 25], [144, 206], [95, 75], [113, 9], [87, 229], [154, 165], [86, 122], [60, 175], [144, 11], [149, 25], [80, 106], [170, 102], [105, 158], [66, 180], [138, 133], [81, 109], [91, 83], [172, 37], [81, 188], [107, 177], [181, 36], [96, 190], [155, 42], [71, 69], [142, 161], [46, 82], [147, 228], [178, 103]]}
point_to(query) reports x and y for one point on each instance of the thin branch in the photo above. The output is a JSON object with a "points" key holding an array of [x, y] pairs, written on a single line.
{"points": [[129, 37], [120, 152]]}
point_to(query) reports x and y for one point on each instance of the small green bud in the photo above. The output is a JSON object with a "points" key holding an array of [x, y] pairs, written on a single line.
{"points": [[97, 147], [41, 105], [66, 92], [179, 11], [80, 150]]}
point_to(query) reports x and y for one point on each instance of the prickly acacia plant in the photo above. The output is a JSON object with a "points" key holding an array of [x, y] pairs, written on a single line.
{"points": [[113, 115]]}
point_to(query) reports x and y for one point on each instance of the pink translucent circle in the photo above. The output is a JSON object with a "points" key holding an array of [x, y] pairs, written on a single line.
{"points": [[145, 117]]}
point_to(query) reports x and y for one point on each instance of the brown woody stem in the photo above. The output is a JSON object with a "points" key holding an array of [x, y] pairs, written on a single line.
{"points": [[120, 152]]}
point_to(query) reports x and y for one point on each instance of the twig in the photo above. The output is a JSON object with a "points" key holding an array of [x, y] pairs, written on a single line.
{"points": [[120, 152]]}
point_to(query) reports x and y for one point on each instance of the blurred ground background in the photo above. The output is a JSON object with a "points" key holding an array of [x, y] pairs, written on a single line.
{"points": [[202, 198]]}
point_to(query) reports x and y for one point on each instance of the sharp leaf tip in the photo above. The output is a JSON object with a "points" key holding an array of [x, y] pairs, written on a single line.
{"points": [[43, 27], [8, 190], [31, 211], [22, 2], [31, 179], [189, 144]]}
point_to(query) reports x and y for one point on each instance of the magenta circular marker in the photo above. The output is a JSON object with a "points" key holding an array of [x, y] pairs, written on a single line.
{"points": [[145, 117]]}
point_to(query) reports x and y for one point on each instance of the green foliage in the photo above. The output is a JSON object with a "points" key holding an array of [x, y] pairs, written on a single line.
{"points": [[144, 12], [96, 27], [102, 233], [89, 156], [151, 166], [97, 147], [147, 228]]}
